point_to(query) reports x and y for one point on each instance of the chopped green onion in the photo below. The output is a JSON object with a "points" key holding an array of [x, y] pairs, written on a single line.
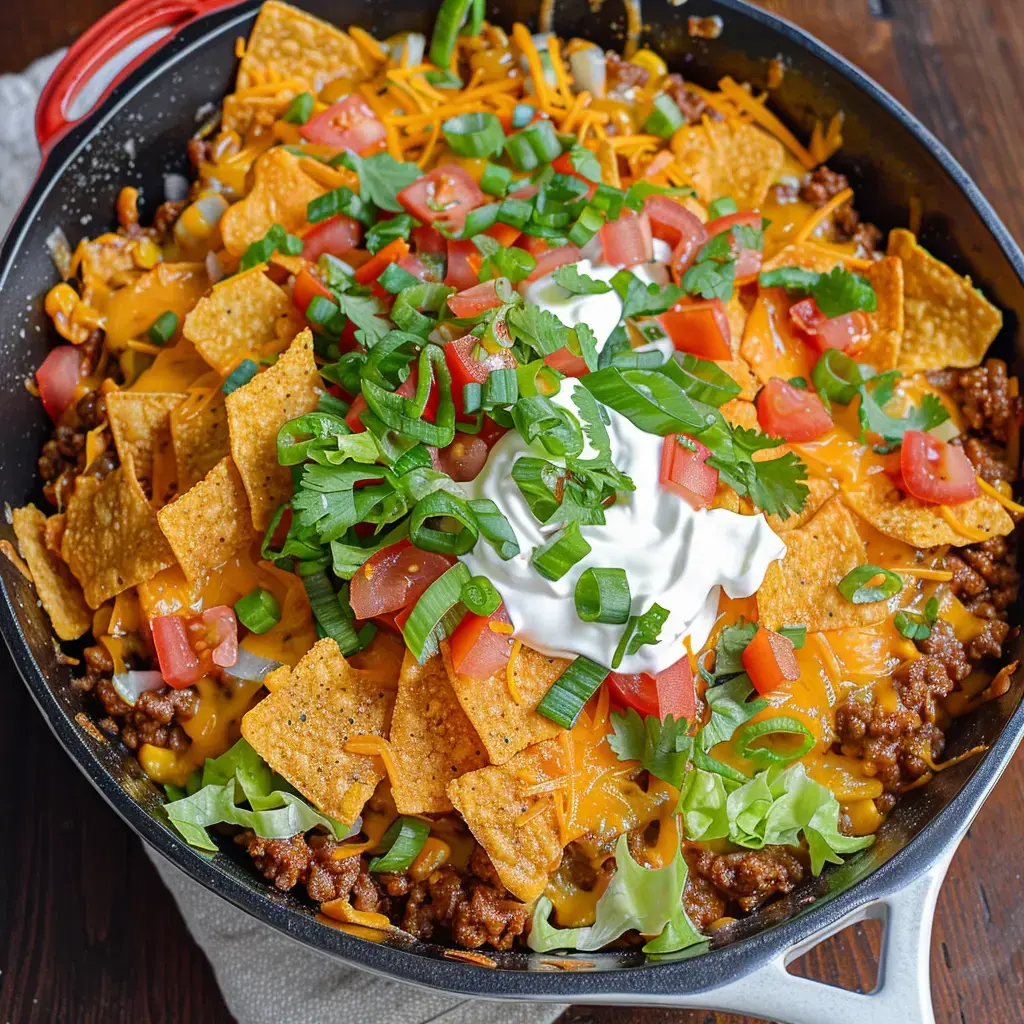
{"points": [[258, 611], [479, 220], [436, 613], [743, 741], [588, 223], [796, 635], [450, 18], [339, 200], [494, 527], [538, 479], [556, 556], [438, 505], [395, 278], [640, 630], [299, 437], [501, 387], [480, 597], [917, 627], [495, 180], [854, 585], [602, 595], [163, 328], [522, 115], [299, 109], [276, 239], [608, 200], [321, 310], [563, 703], [241, 374], [836, 377], [665, 119], [722, 207], [534, 145], [329, 614], [515, 212], [386, 231], [474, 134], [401, 844], [472, 397], [443, 78]]}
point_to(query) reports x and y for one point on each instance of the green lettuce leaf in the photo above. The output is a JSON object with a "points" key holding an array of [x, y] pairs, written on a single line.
{"points": [[702, 803], [730, 708]]}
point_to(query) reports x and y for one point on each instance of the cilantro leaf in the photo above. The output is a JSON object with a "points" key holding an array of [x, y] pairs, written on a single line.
{"points": [[363, 311], [793, 279], [538, 328], [568, 277], [588, 345], [640, 190], [841, 291], [503, 261], [730, 708], [640, 630], [586, 163], [710, 278], [732, 642], [661, 747], [873, 417], [381, 178], [639, 299]]}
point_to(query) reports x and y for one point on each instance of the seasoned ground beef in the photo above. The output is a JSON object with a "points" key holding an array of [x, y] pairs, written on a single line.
{"points": [[704, 904], [751, 876], [155, 719], [623, 75], [693, 106], [821, 185], [63, 456], [984, 577]]}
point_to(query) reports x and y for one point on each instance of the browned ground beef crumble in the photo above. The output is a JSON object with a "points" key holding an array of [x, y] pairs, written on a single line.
{"points": [[751, 876]]}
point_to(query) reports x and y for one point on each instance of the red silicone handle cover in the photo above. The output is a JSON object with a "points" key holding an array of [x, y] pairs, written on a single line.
{"points": [[115, 31]]}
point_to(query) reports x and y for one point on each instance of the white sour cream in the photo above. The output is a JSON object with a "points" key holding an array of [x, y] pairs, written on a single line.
{"points": [[672, 555]]}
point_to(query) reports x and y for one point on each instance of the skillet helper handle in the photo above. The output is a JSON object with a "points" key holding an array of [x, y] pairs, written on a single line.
{"points": [[105, 53], [903, 990]]}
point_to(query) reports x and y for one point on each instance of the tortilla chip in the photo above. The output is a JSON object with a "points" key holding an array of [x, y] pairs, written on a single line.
{"points": [[432, 740], [492, 799], [883, 350], [257, 410], [112, 540], [801, 589], [59, 592], [168, 287], [288, 43], [820, 491], [947, 321], [808, 255], [924, 526], [280, 193], [139, 421], [301, 729], [200, 439], [505, 726], [727, 158], [243, 314], [207, 524], [740, 413]]}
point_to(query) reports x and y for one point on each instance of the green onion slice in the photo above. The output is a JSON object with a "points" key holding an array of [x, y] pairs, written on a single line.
{"points": [[496, 179], [474, 134], [854, 585], [480, 596], [602, 595], [563, 703], [539, 481], [780, 725], [329, 613], [442, 505], [163, 328], [796, 635], [240, 375], [665, 119], [298, 436], [436, 613], [258, 611], [555, 557], [450, 18], [401, 844], [836, 377], [494, 527]]}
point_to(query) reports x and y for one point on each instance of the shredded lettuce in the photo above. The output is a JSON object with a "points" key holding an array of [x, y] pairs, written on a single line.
{"points": [[240, 776], [637, 899]]}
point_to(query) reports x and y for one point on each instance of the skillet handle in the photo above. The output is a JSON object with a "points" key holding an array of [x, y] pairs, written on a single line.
{"points": [[104, 54], [903, 990]]}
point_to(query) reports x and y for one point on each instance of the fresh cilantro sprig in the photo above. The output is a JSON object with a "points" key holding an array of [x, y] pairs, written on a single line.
{"points": [[569, 278], [713, 274], [662, 747], [876, 393], [381, 178], [640, 631], [836, 293]]}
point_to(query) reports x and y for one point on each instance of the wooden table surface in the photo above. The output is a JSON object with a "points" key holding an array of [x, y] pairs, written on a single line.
{"points": [[88, 934]]}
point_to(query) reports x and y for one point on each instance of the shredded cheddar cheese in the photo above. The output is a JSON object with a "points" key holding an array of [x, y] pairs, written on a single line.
{"points": [[1010, 505], [510, 672], [962, 528], [374, 746], [766, 119], [822, 214]]}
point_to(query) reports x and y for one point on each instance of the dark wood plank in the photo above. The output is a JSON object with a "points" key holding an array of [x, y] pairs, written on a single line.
{"points": [[87, 932]]}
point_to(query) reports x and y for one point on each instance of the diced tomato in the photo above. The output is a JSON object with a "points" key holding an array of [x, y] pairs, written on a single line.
{"points": [[179, 663], [377, 264], [415, 266], [355, 410], [549, 260], [673, 223], [527, 191], [849, 331], [464, 261], [503, 234], [57, 379], [670, 692], [220, 637], [769, 660], [336, 235], [394, 578], [348, 124], [567, 363], [408, 388], [429, 240], [491, 433], [306, 286], [796, 414], [936, 471], [534, 245], [748, 261], [684, 470], [478, 650], [463, 459], [447, 194], [627, 241], [474, 301], [700, 327], [465, 368]]}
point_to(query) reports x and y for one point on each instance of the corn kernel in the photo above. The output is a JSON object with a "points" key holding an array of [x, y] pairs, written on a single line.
{"points": [[147, 253], [651, 61], [61, 299]]}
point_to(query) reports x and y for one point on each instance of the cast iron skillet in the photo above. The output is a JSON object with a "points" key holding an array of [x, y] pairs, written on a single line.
{"points": [[138, 132]]}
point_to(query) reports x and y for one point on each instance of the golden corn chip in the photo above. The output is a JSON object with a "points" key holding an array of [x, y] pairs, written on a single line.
{"points": [[927, 526], [947, 321], [140, 423], [740, 413], [727, 158], [280, 192], [243, 314], [820, 492], [507, 725], [807, 255], [801, 589], [207, 524], [288, 43], [168, 287], [177, 368], [883, 349], [432, 740], [257, 410], [112, 540], [301, 729], [496, 805], [59, 592], [199, 434]]}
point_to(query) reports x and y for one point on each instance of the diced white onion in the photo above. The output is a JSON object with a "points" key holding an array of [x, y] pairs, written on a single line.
{"points": [[407, 48], [251, 666], [198, 220], [945, 431], [214, 267], [131, 685], [175, 188], [59, 248], [589, 70]]}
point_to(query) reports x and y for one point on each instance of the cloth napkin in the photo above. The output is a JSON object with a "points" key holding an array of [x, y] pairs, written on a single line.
{"points": [[265, 977]]}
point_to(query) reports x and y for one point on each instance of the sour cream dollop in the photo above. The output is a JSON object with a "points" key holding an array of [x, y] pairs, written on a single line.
{"points": [[672, 555]]}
